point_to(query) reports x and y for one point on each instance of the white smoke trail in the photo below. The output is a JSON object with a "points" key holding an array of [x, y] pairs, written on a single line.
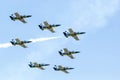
{"points": [[43, 39], [6, 45]]}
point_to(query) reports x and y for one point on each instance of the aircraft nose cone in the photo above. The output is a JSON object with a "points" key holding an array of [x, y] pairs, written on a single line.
{"points": [[82, 32], [29, 16], [58, 25]]}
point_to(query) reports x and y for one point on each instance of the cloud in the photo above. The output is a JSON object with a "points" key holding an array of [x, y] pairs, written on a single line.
{"points": [[92, 13]]}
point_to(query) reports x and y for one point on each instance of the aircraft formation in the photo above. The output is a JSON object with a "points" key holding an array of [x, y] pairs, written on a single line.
{"points": [[46, 26], [42, 65]]}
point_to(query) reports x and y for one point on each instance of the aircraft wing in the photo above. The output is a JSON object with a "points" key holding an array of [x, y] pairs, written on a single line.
{"points": [[18, 40], [71, 56], [51, 29], [66, 50], [24, 46], [22, 20], [60, 67], [17, 14], [71, 31], [65, 71], [75, 37], [38, 66], [41, 68], [19, 43], [46, 24]]}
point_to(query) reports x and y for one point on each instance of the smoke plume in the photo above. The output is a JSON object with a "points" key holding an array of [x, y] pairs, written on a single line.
{"points": [[6, 45]]}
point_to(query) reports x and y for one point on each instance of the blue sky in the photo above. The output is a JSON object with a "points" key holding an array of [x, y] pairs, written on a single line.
{"points": [[99, 57]]}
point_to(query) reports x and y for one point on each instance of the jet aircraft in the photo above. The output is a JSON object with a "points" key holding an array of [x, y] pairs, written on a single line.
{"points": [[61, 68], [68, 53], [36, 65], [20, 43], [72, 34], [48, 26], [19, 17]]}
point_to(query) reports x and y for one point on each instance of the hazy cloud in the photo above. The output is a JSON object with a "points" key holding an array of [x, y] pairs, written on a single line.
{"points": [[92, 13]]}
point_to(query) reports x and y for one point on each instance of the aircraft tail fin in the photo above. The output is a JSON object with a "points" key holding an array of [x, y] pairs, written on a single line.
{"points": [[12, 18], [65, 34], [40, 26], [60, 53], [13, 42]]}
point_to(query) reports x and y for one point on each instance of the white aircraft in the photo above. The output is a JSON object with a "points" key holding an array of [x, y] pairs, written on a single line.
{"points": [[60, 68], [20, 43], [19, 17], [68, 53], [48, 26], [72, 33], [36, 65]]}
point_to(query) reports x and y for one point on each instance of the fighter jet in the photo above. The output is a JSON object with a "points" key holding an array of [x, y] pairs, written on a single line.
{"points": [[36, 65], [19, 17], [72, 34], [60, 68], [20, 43], [48, 26], [68, 53]]}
